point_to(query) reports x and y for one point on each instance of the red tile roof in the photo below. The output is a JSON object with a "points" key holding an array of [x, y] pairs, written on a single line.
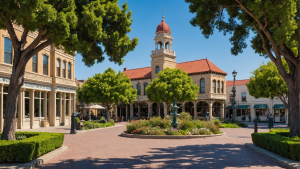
{"points": [[138, 73], [237, 82], [197, 66]]}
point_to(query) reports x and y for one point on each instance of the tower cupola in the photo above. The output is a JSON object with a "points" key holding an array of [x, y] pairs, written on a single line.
{"points": [[162, 56]]}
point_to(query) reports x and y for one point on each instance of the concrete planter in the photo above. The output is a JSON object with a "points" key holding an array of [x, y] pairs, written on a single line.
{"points": [[79, 125], [124, 134]]}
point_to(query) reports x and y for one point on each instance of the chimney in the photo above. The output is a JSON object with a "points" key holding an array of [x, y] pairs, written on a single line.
{"points": [[125, 69]]}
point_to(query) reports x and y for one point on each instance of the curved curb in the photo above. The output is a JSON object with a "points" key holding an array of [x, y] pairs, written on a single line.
{"points": [[168, 136]]}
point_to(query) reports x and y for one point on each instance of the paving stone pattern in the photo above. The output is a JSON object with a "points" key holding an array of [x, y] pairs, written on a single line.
{"points": [[106, 149]]}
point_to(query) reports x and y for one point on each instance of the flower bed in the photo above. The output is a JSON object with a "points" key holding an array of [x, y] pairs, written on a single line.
{"points": [[158, 126], [277, 141], [29, 146]]}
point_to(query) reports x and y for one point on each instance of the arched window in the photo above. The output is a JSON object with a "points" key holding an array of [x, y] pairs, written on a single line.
{"points": [[160, 45], [58, 67], [218, 87], [69, 70], [7, 51], [216, 109], [222, 84], [45, 65], [138, 86], [64, 69], [214, 86], [145, 85], [34, 63], [202, 86], [167, 45], [156, 69]]}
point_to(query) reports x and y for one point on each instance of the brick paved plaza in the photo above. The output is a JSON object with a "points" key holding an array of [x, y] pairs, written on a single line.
{"points": [[106, 149]]}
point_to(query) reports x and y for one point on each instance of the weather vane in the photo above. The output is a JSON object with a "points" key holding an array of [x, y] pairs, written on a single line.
{"points": [[163, 13]]}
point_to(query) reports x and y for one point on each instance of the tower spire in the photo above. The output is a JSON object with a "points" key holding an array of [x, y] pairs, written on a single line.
{"points": [[163, 17]]}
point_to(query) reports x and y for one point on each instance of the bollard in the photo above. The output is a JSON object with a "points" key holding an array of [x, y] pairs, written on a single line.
{"points": [[73, 129], [271, 122], [255, 125]]}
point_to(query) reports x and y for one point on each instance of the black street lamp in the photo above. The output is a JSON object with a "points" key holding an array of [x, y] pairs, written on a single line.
{"points": [[234, 91]]}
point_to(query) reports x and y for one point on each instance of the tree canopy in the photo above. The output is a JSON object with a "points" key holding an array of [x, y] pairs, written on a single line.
{"points": [[172, 83], [108, 88], [93, 28], [266, 82], [274, 27]]}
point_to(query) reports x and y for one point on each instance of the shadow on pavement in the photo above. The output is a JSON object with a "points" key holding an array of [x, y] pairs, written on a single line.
{"points": [[190, 156]]}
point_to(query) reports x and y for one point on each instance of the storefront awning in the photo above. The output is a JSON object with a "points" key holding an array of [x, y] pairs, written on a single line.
{"points": [[260, 106], [229, 107], [243, 107], [279, 106]]}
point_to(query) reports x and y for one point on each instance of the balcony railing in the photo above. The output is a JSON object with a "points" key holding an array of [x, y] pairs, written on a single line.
{"points": [[160, 51]]}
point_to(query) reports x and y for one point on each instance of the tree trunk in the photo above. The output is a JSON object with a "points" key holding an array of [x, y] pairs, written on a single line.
{"points": [[294, 108], [15, 84]]}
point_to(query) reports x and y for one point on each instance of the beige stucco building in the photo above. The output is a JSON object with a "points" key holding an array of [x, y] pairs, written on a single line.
{"points": [[205, 74], [47, 96]]}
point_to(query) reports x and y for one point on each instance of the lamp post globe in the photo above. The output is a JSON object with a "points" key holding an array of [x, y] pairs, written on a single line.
{"points": [[234, 73]]}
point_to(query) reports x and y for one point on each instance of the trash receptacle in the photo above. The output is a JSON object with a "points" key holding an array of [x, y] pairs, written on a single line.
{"points": [[271, 122]]}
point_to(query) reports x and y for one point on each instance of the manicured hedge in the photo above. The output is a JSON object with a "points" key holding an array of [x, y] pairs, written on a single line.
{"points": [[35, 145], [277, 142]]}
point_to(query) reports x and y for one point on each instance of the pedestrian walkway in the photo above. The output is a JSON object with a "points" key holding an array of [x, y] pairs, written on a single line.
{"points": [[107, 149]]}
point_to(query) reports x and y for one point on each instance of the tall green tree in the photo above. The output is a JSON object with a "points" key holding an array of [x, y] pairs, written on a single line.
{"points": [[92, 28], [266, 82], [274, 24], [172, 83], [108, 88]]}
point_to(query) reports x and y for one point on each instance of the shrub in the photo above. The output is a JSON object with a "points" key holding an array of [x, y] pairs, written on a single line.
{"points": [[102, 120], [91, 125], [185, 124], [277, 143], [185, 116], [77, 119], [168, 117], [30, 148]]}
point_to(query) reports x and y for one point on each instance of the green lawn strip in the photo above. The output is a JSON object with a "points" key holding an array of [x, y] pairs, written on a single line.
{"points": [[277, 141], [229, 124], [32, 146]]}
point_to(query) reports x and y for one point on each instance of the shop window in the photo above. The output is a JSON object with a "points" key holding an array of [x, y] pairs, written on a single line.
{"points": [[58, 67], [156, 69], [45, 65], [138, 89], [244, 97], [145, 85], [238, 112], [69, 70], [214, 86], [222, 86], [34, 63], [202, 86], [7, 51], [64, 69]]}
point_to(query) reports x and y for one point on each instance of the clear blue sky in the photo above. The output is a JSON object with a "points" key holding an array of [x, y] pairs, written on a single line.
{"points": [[188, 42]]}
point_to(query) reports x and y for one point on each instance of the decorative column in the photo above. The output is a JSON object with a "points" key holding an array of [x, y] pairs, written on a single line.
{"points": [[31, 108], [210, 110], [131, 111], [52, 107], [45, 106], [40, 106], [60, 109], [74, 103], [1, 108], [64, 109], [222, 110]]}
